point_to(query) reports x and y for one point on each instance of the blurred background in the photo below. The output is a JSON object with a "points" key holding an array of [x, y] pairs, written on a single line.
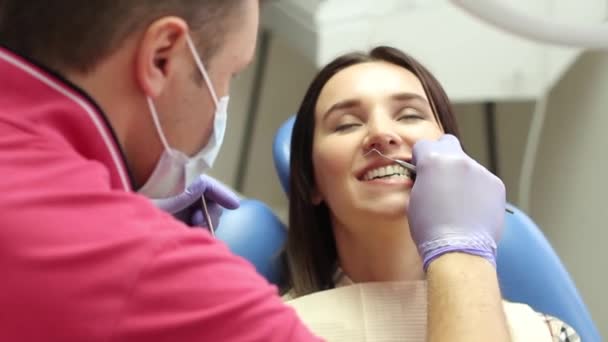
{"points": [[533, 113]]}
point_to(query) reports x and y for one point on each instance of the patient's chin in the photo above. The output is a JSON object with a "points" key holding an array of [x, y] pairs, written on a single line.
{"points": [[388, 208], [365, 208]]}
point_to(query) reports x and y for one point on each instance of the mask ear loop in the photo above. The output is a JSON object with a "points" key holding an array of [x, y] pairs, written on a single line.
{"points": [[201, 68], [156, 122]]}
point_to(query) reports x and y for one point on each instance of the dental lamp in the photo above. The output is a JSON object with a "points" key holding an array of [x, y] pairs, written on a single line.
{"points": [[498, 13]]}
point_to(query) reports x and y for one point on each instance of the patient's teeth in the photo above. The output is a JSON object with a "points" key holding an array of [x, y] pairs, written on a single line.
{"points": [[387, 171]]}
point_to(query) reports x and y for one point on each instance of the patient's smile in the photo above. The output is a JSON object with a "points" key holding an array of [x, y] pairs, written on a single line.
{"points": [[387, 172]]}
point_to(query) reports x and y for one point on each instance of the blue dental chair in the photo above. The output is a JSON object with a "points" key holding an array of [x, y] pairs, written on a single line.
{"points": [[255, 233], [529, 270]]}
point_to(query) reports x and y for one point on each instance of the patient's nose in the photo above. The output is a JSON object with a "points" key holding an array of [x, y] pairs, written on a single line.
{"points": [[381, 136]]}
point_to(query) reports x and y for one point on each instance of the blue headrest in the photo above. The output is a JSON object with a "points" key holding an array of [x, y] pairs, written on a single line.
{"points": [[281, 149], [530, 272], [253, 232]]}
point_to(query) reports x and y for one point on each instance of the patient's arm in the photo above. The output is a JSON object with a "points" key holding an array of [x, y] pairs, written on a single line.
{"points": [[464, 300]]}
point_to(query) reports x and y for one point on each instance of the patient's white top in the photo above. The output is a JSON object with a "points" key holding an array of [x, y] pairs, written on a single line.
{"points": [[394, 311]]}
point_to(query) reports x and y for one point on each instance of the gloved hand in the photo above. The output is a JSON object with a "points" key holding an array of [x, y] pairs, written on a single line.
{"points": [[187, 206], [456, 205]]}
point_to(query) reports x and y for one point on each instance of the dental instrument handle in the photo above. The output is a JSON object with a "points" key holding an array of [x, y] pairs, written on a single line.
{"points": [[207, 216], [405, 164]]}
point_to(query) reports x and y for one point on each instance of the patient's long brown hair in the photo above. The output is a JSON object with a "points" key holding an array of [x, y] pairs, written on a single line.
{"points": [[310, 253]]}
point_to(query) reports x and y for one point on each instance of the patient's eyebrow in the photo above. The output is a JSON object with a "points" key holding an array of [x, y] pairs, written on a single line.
{"points": [[409, 97], [346, 104]]}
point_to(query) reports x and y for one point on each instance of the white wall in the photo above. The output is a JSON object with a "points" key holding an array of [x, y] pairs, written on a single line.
{"points": [[569, 195], [512, 121], [569, 184], [286, 81]]}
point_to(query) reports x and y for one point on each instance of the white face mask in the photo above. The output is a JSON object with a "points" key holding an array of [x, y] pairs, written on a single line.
{"points": [[175, 170]]}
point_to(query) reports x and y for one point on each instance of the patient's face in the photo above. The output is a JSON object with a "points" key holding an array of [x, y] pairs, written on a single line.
{"points": [[365, 106]]}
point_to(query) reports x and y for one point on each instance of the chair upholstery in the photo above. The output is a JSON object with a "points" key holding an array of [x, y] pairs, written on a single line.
{"points": [[530, 272], [255, 233]]}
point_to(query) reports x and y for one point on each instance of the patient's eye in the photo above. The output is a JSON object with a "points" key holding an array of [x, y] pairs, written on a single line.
{"points": [[347, 122], [410, 114], [346, 126]]}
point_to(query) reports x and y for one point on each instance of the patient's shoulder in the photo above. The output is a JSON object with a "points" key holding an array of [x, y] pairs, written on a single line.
{"points": [[526, 323]]}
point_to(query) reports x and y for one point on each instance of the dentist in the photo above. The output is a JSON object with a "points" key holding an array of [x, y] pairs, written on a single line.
{"points": [[103, 102]]}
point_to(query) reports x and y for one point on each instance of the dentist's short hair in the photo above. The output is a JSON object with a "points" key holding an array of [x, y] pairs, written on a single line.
{"points": [[76, 34]]}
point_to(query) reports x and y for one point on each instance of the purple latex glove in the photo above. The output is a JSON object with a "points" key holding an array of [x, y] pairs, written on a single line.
{"points": [[456, 205], [187, 206]]}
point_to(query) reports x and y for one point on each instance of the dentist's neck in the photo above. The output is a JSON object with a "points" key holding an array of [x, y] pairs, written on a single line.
{"points": [[382, 252]]}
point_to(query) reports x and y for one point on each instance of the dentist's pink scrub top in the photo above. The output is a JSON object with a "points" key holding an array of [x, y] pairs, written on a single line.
{"points": [[83, 258]]}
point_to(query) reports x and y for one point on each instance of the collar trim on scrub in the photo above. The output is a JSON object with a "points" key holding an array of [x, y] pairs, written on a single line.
{"points": [[84, 101]]}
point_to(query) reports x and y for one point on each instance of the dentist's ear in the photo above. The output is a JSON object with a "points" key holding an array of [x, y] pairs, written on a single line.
{"points": [[161, 46]]}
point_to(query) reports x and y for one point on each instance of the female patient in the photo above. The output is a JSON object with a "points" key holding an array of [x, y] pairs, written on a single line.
{"points": [[347, 205]]}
